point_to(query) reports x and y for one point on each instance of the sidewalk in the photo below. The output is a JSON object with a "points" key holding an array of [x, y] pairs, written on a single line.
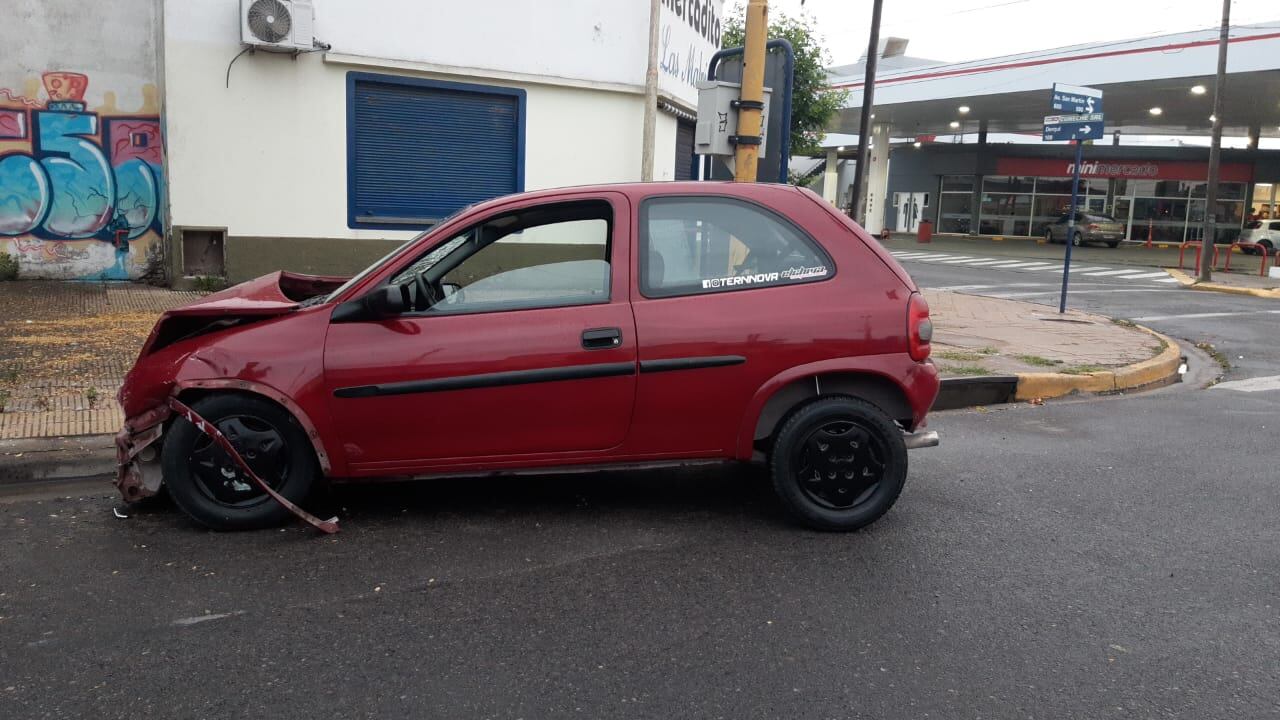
{"points": [[976, 335], [65, 348]]}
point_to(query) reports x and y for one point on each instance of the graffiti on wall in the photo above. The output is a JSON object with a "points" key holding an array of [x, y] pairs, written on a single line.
{"points": [[80, 190]]}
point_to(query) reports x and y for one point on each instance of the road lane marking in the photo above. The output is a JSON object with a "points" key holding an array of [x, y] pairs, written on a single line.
{"points": [[1258, 384], [1077, 292], [958, 258], [1148, 275], [1166, 280], [1201, 316], [1126, 271]]}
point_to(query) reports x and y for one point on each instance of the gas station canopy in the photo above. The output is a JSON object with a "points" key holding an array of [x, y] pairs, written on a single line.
{"points": [[1154, 86]]}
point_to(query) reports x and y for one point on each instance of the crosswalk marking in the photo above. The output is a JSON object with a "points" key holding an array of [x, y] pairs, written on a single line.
{"points": [[1126, 271], [1142, 274]]}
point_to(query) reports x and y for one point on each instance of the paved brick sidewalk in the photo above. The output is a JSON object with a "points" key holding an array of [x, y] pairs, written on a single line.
{"points": [[64, 350], [977, 335], [65, 347]]}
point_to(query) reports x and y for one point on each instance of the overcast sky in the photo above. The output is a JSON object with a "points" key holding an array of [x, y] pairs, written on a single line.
{"points": [[972, 29]]}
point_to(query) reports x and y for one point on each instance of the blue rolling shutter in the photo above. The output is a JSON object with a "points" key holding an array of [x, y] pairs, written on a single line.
{"points": [[420, 150]]}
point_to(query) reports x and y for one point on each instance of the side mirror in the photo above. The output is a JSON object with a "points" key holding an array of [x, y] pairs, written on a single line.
{"points": [[386, 301]]}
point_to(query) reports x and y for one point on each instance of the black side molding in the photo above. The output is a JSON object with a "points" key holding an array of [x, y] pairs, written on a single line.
{"points": [[689, 363], [470, 382]]}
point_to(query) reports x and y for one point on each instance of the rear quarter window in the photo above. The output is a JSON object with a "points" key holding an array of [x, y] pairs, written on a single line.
{"points": [[697, 245]]}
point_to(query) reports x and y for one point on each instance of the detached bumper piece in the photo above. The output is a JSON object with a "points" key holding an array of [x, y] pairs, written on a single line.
{"points": [[329, 526], [917, 440], [137, 459]]}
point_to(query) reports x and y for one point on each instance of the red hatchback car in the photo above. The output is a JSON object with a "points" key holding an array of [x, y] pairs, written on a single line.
{"points": [[611, 326]]}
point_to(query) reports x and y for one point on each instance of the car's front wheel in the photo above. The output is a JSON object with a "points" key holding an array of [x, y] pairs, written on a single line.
{"points": [[838, 463], [209, 486], [1048, 237], [1267, 244], [1077, 240]]}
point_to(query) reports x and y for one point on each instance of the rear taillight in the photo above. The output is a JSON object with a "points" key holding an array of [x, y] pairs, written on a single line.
{"points": [[919, 328], [1093, 227]]}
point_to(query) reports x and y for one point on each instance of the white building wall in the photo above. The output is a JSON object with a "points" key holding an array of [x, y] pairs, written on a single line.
{"points": [[267, 156]]}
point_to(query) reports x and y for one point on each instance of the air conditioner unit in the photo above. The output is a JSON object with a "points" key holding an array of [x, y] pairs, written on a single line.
{"points": [[278, 25]]}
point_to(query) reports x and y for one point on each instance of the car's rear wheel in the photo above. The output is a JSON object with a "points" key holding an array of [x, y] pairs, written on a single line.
{"points": [[1077, 239], [838, 463], [1048, 237], [1267, 244], [210, 487]]}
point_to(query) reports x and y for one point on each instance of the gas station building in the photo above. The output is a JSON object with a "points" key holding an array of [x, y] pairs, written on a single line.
{"points": [[959, 143]]}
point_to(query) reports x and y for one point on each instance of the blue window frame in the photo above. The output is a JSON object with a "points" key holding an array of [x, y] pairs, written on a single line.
{"points": [[419, 150]]}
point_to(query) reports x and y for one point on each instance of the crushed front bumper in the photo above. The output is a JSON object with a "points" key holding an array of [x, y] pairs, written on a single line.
{"points": [[138, 454]]}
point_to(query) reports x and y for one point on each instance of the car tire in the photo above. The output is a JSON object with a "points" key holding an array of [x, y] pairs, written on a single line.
{"points": [[1048, 236], [1077, 240], [207, 485], [838, 492], [1113, 243], [1267, 244]]}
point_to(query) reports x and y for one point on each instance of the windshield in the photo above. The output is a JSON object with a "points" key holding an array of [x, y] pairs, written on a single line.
{"points": [[391, 256]]}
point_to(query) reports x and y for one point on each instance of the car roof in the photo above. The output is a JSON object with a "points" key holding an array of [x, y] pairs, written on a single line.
{"points": [[640, 190]]}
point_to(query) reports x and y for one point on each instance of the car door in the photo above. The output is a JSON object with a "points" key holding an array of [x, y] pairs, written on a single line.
{"points": [[532, 356], [718, 283], [1059, 228]]}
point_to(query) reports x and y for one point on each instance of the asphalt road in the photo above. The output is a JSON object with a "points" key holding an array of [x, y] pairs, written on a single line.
{"points": [[1080, 559]]}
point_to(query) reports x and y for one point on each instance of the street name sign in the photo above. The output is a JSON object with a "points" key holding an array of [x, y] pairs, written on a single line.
{"points": [[1076, 100], [1084, 126]]}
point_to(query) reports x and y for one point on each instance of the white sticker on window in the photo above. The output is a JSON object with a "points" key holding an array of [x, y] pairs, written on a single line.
{"points": [[735, 280], [795, 273], [801, 273]]}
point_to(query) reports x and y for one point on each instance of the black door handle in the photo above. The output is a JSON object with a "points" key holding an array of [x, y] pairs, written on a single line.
{"points": [[601, 338]]}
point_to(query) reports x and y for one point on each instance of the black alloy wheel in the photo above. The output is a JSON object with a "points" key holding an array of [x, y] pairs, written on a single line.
{"points": [[212, 488], [838, 463], [264, 449]]}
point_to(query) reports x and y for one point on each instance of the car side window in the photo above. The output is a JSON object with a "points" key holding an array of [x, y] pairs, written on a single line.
{"points": [[1275, 226], [692, 245], [545, 256]]}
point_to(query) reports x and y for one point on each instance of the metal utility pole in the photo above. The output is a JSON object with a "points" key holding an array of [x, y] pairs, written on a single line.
{"points": [[864, 124], [746, 153], [650, 95], [1215, 152]]}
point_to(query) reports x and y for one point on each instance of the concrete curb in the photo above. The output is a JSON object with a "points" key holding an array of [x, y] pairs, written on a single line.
{"points": [[38, 460], [1188, 281], [1162, 368]]}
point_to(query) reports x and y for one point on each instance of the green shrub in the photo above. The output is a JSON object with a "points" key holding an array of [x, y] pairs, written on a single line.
{"points": [[8, 267], [209, 283]]}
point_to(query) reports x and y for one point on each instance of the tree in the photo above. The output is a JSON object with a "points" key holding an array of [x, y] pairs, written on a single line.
{"points": [[812, 101]]}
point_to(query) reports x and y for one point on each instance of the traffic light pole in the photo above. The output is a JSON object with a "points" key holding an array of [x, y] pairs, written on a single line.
{"points": [[746, 154]]}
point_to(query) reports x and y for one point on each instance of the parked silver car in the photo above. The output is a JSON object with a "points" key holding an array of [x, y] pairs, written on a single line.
{"points": [[1089, 228], [1262, 233]]}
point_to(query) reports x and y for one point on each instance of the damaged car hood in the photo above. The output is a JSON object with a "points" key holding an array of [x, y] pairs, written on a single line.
{"points": [[268, 296]]}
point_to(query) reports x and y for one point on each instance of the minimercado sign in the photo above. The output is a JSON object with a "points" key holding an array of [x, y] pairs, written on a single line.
{"points": [[689, 33]]}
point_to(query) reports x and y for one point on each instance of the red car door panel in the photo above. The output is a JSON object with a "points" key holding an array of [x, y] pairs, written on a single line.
{"points": [[704, 354], [424, 391]]}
